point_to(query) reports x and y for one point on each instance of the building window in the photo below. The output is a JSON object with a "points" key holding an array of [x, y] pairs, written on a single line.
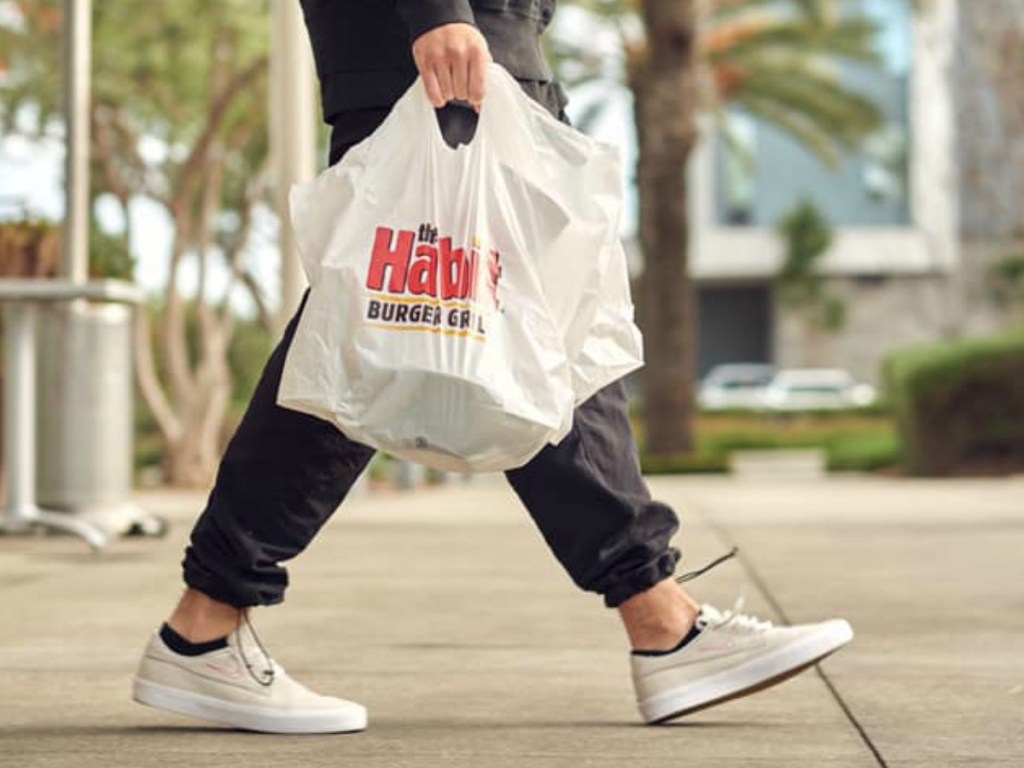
{"points": [[761, 173]]}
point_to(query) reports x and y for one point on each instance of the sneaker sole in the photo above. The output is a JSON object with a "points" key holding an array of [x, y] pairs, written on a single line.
{"points": [[748, 678], [248, 717]]}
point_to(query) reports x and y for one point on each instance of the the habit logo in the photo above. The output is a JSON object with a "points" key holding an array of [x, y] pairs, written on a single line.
{"points": [[409, 265]]}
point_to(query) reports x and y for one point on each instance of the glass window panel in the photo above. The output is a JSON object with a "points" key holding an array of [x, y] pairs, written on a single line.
{"points": [[762, 173]]}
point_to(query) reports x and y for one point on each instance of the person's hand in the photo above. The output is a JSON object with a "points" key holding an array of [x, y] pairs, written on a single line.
{"points": [[453, 59]]}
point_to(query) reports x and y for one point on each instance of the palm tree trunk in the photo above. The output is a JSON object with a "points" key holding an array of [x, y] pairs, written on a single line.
{"points": [[664, 80]]}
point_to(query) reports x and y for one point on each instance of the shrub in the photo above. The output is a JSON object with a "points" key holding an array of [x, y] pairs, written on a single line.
{"points": [[959, 407], [860, 440], [867, 452], [685, 464]]}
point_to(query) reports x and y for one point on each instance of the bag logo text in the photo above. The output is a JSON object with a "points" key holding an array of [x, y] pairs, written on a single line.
{"points": [[422, 281]]}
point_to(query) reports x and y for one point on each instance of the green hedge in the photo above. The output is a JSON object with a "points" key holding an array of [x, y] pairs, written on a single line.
{"points": [[685, 464], [852, 441], [959, 407], [864, 452]]}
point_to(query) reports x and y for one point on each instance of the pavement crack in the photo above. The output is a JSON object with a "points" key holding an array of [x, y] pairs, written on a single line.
{"points": [[841, 702], [762, 586]]}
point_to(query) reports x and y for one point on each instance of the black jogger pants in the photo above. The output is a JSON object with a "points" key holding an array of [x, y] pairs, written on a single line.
{"points": [[284, 474]]}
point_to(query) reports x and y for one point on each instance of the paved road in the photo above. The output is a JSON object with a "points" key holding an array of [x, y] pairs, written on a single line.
{"points": [[444, 614]]}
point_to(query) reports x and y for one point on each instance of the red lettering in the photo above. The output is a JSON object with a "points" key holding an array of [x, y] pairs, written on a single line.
{"points": [[494, 270], [390, 255], [423, 271], [467, 288], [453, 266], [432, 270]]}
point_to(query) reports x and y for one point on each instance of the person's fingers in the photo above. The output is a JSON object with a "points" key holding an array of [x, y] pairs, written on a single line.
{"points": [[443, 73], [452, 59], [477, 87], [434, 94], [460, 76]]}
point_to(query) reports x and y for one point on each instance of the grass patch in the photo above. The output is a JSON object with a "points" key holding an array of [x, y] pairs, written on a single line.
{"points": [[685, 464], [863, 441], [864, 452]]}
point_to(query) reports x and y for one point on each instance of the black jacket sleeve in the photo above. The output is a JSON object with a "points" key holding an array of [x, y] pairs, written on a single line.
{"points": [[423, 15]]}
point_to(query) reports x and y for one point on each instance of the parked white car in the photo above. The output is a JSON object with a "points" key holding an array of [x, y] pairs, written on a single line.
{"points": [[810, 389], [736, 385]]}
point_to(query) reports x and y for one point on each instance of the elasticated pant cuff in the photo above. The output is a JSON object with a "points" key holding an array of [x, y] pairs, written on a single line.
{"points": [[237, 592], [643, 579]]}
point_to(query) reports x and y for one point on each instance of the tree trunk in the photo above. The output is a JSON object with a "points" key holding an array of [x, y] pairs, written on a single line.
{"points": [[192, 452], [664, 81], [190, 462]]}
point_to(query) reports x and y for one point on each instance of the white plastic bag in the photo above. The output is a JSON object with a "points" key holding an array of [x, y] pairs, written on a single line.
{"points": [[603, 341], [455, 315]]}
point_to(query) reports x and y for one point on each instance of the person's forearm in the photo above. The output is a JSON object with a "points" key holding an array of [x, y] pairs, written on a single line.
{"points": [[421, 16]]}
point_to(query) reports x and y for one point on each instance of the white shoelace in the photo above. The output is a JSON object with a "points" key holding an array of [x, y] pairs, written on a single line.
{"points": [[691, 575], [733, 619], [265, 676]]}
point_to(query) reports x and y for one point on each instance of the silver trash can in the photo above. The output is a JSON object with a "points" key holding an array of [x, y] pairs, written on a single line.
{"points": [[85, 425], [68, 371]]}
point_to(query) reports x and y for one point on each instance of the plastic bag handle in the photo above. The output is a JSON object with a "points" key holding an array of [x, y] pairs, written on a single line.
{"points": [[504, 123]]}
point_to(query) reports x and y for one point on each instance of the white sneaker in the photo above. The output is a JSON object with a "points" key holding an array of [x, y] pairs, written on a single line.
{"points": [[239, 685], [733, 655]]}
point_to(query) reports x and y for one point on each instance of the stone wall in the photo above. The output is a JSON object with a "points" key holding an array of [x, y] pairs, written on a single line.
{"points": [[988, 84], [988, 304], [884, 314]]}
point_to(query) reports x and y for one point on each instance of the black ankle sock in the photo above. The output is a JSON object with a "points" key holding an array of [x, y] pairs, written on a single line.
{"points": [[181, 646], [690, 637]]}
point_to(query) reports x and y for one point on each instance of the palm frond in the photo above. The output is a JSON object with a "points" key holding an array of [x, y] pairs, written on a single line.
{"points": [[848, 39], [607, 8], [812, 108], [816, 11], [798, 126], [777, 59], [819, 11]]}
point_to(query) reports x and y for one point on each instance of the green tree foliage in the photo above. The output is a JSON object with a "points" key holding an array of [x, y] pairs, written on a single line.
{"points": [[178, 116], [251, 345], [1007, 278], [110, 255], [808, 236], [160, 61], [775, 59]]}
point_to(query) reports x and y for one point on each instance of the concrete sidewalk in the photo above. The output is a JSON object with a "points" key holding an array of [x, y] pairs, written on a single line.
{"points": [[443, 613]]}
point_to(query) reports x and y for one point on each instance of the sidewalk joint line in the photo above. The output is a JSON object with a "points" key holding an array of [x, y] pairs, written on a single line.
{"points": [[851, 717], [762, 586]]}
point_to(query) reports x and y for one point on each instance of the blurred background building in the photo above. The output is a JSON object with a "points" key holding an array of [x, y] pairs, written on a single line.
{"points": [[923, 215], [856, 188]]}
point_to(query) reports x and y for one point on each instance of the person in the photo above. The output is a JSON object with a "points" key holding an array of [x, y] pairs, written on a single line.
{"points": [[284, 473]]}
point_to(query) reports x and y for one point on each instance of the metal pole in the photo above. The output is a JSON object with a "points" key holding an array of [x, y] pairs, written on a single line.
{"points": [[77, 84], [293, 118], [20, 411], [22, 513]]}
